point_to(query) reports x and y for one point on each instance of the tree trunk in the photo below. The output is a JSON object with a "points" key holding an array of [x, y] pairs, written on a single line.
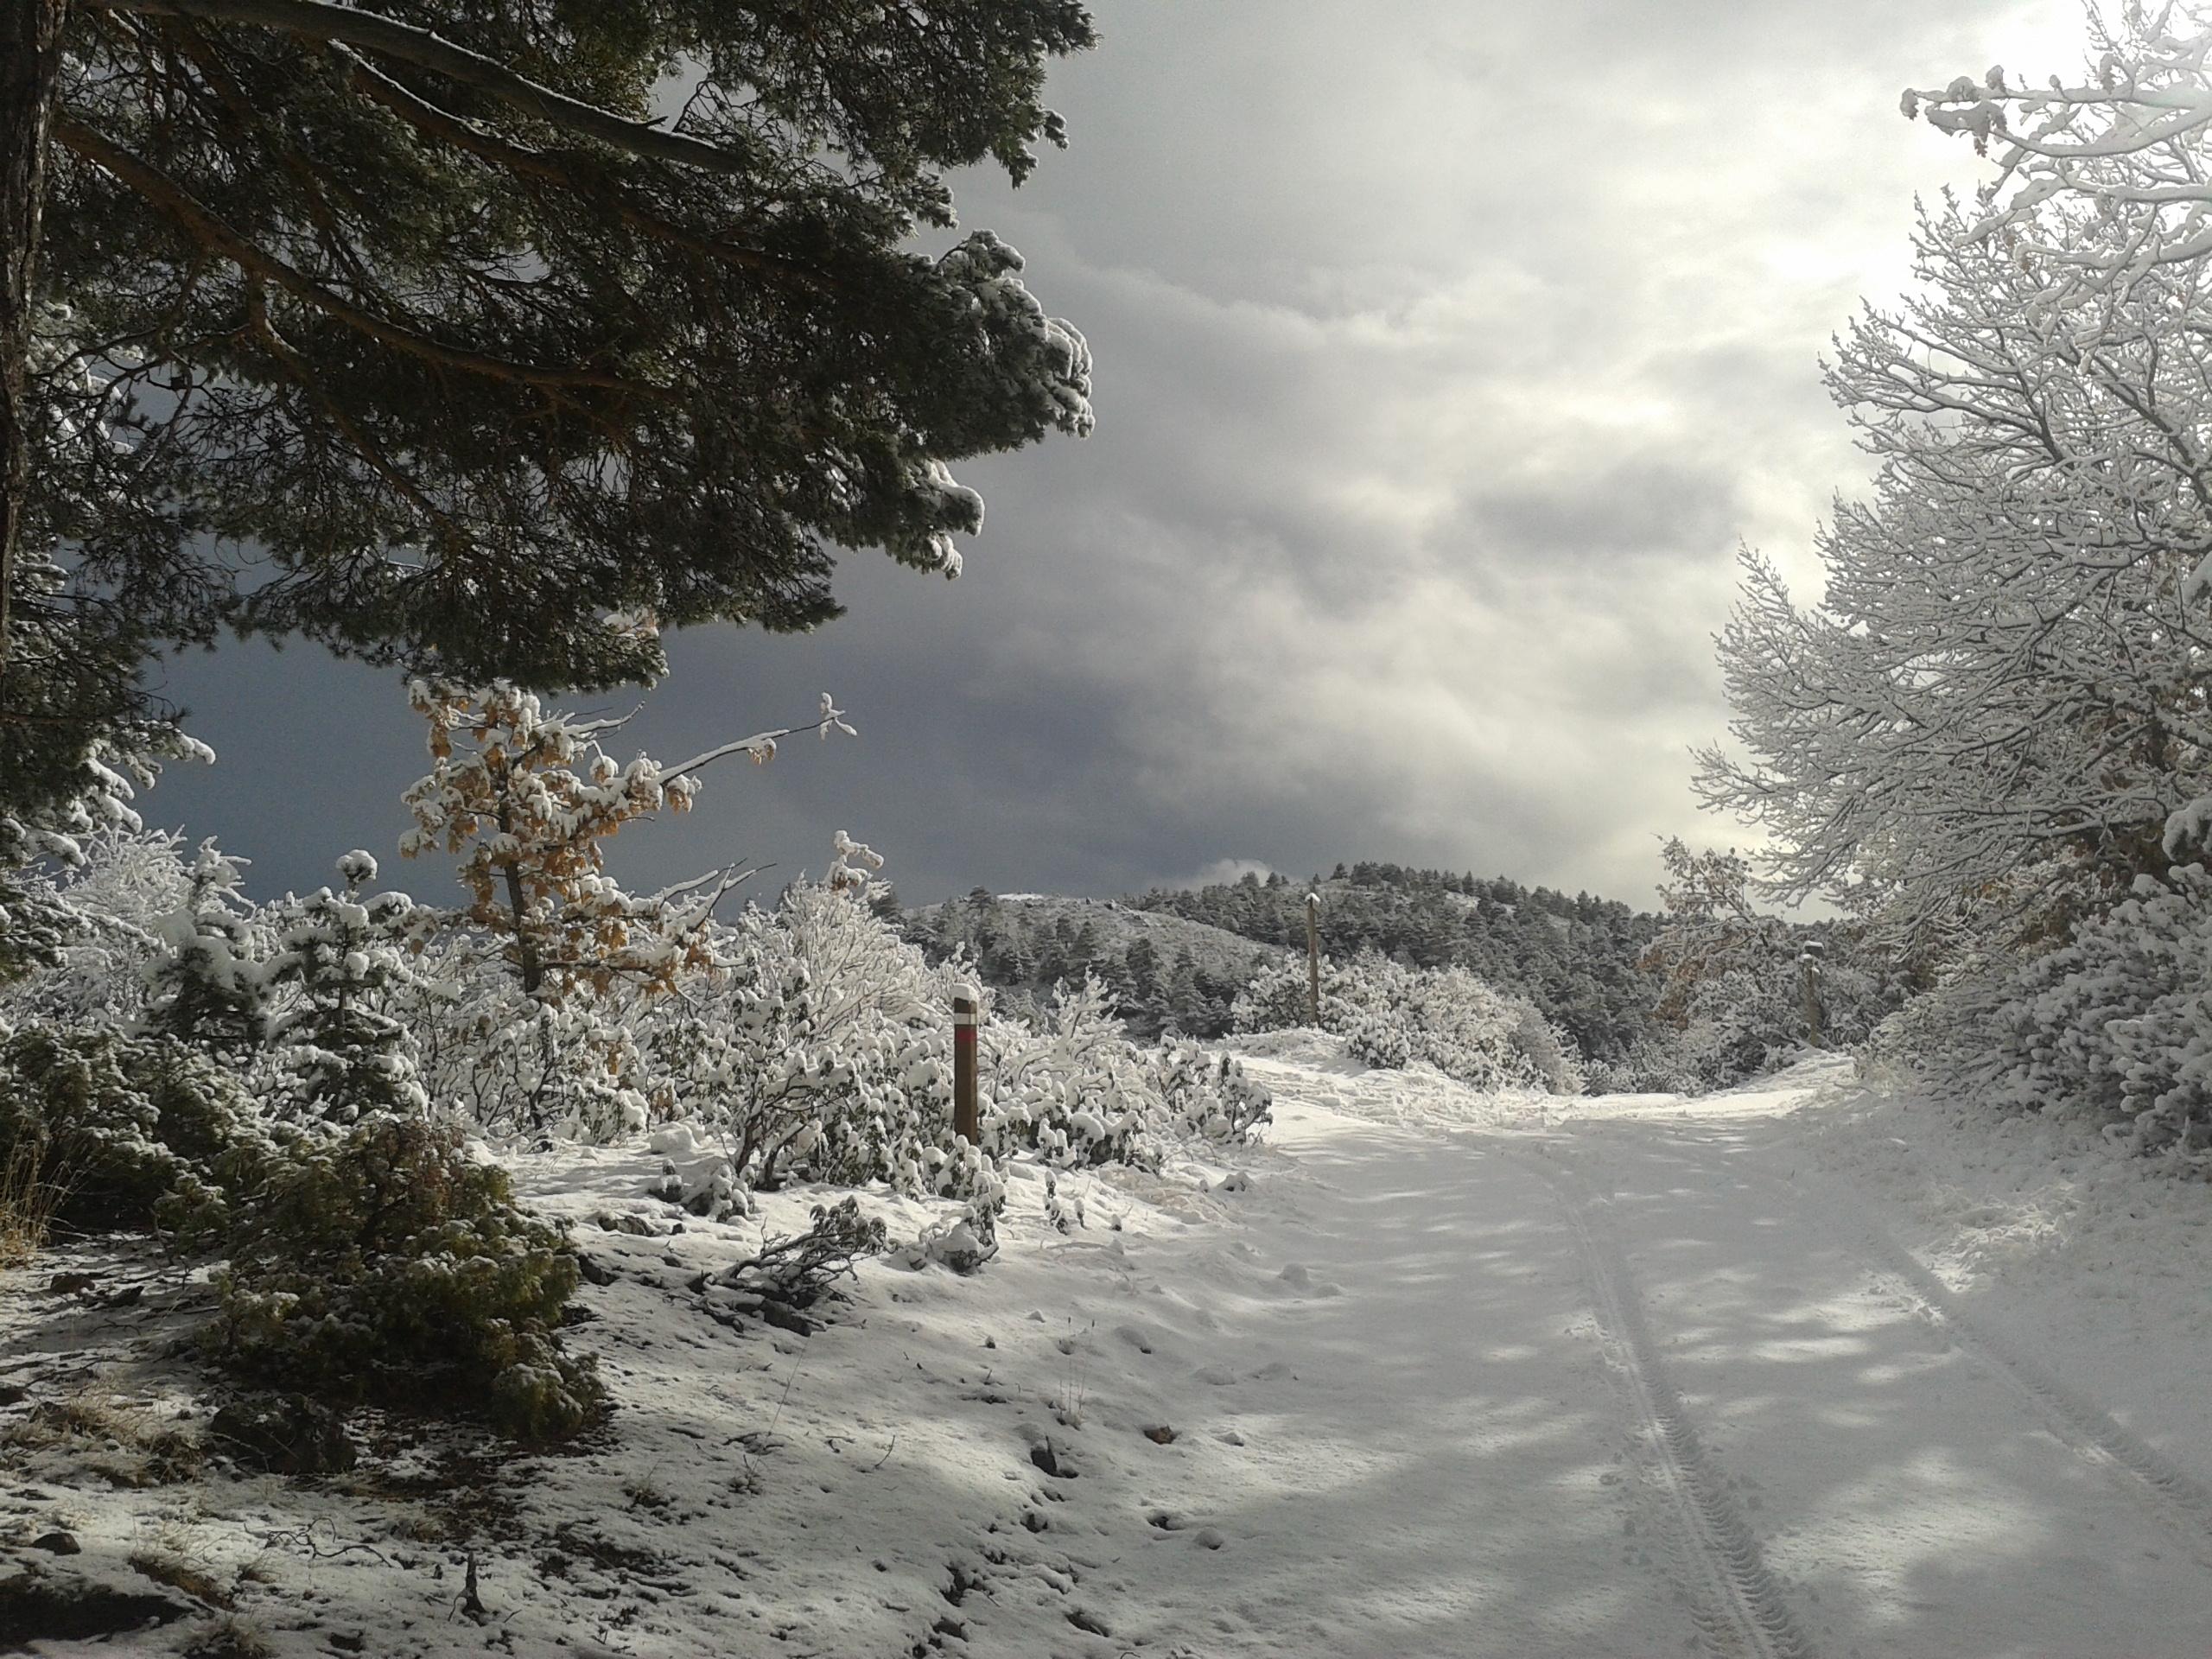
{"points": [[533, 971], [30, 74]]}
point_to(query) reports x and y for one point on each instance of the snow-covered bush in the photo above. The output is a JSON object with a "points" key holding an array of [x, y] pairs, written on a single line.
{"points": [[1072, 1089], [383, 1262], [544, 987], [1209, 1096], [1277, 997], [103, 906], [786, 1276], [1392, 1015], [512, 1063], [1651, 1066], [205, 984], [128, 1130], [1729, 980], [1739, 1022], [2115, 1025], [818, 1048]]}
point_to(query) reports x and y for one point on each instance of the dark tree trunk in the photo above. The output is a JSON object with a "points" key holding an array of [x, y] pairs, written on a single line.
{"points": [[533, 971], [30, 73]]}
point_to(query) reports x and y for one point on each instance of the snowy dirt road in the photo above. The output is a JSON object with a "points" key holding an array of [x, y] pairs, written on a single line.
{"points": [[1635, 1380], [1795, 1370]]}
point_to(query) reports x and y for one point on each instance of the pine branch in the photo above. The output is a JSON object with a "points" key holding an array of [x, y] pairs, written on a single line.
{"points": [[524, 162], [213, 233], [317, 20]]}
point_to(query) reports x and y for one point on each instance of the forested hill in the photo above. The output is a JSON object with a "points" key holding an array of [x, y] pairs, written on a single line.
{"points": [[1574, 956], [1180, 958], [1163, 969]]}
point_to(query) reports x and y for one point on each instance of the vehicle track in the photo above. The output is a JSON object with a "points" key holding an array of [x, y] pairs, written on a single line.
{"points": [[1740, 1605], [2091, 1433]]}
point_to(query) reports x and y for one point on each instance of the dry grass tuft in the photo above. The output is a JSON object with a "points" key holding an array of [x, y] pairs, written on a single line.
{"points": [[129, 1445], [230, 1637], [180, 1571], [29, 1196]]}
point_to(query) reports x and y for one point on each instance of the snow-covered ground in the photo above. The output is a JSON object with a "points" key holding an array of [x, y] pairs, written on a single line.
{"points": [[1792, 1370]]}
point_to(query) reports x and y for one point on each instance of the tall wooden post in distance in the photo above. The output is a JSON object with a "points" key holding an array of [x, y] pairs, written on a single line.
{"points": [[1808, 984], [1313, 959], [967, 1014]]}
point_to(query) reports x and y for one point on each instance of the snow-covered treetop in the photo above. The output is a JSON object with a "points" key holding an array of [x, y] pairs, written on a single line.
{"points": [[2124, 146]]}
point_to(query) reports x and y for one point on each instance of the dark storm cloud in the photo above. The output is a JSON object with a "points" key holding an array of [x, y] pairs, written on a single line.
{"points": [[1445, 353]]}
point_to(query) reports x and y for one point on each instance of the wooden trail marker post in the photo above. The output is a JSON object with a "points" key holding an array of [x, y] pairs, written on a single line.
{"points": [[1808, 970], [1313, 959], [967, 1014]]}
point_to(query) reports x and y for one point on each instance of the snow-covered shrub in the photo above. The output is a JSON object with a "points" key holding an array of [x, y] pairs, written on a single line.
{"points": [[1738, 1022], [818, 1048], [1550, 1051], [130, 1130], [67, 784], [1277, 997], [1209, 1097], [104, 905], [1392, 1015], [545, 983], [1651, 1066], [513, 1064], [1072, 1091], [383, 1262], [786, 1276], [1730, 979], [2115, 1025]]}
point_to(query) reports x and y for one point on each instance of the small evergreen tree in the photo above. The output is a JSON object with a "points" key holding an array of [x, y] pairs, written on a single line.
{"points": [[209, 987], [341, 1053]]}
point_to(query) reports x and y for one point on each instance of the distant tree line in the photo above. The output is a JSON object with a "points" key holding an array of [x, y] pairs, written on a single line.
{"points": [[1704, 992], [1024, 950], [1574, 957]]}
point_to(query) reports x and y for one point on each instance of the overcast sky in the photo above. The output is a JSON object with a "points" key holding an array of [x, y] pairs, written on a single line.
{"points": [[1446, 352]]}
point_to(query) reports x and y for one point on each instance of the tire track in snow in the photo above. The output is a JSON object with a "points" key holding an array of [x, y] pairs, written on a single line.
{"points": [[1739, 1606], [2088, 1430]]}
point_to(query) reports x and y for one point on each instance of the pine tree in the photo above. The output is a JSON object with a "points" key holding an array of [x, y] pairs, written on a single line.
{"points": [[342, 1054], [210, 985], [445, 309]]}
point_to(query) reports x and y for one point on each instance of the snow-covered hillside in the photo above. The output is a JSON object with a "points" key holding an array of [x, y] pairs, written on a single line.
{"points": [[1795, 1370], [1115, 927], [1165, 969]]}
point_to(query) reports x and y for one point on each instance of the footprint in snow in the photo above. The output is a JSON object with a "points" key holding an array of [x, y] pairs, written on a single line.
{"points": [[1167, 1521]]}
